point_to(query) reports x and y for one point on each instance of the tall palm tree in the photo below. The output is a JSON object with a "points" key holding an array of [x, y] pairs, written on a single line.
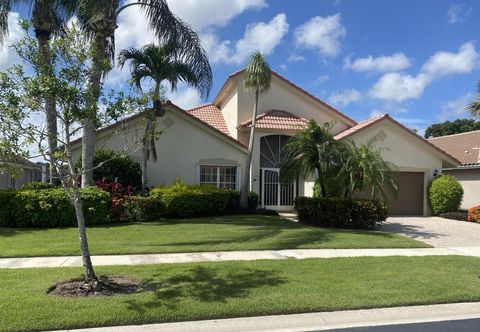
{"points": [[99, 19], [158, 64], [48, 18], [474, 107], [313, 150], [366, 172], [257, 79]]}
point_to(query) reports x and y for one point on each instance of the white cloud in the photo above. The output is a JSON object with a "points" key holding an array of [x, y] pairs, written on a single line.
{"points": [[345, 97], [458, 13], [296, 58], [399, 87], [7, 55], [321, 33], [455, 108], [321, 79], [186, 97], [262, 36], [210, 13], [386, 63]]}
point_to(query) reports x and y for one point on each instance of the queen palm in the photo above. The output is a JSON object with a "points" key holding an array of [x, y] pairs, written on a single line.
{"points": [[99, 19], [159, 64], [474, 106], [256, 80], [48, 19]]}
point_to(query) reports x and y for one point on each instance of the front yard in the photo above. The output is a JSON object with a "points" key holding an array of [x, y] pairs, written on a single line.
{"points": [[192, 235], [176, 292]]}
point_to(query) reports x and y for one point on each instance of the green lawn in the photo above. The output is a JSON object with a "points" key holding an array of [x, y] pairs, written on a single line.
{"points": [[190, 235], [176, 292]]}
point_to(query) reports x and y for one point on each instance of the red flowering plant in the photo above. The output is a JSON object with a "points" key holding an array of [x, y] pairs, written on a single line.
{"points": [[474, 214], [118, 195]]}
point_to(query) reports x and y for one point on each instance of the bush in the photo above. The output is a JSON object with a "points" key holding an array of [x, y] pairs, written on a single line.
{"points": [[116, 168], [37, 186], [459, 215], [138, 209], [52, 208], [233, 203], [340, 212], [6, 217], [445, 194], [474, 214]]}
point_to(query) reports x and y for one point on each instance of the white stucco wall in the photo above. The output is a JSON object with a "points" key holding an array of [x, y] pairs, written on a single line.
{"points": [[470, 181], [181, 148], [229, 110], [407, 152]]}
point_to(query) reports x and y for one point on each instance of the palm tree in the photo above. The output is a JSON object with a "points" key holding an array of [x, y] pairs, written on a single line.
{"points": [[313, 150], [163, 63], [256, 79], [474, 107], [366, 172], [48, 19], [98, 18]]}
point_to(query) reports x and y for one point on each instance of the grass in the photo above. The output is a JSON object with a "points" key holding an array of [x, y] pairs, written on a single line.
{"points": [[178, 292], [190, 235]]}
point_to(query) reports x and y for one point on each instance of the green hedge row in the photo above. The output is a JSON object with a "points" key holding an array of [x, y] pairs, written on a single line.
{"points": [[51, 208], [340, 212]]}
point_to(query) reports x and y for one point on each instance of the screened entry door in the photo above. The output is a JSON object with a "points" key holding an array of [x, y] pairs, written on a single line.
{"points": [[276, 195]]}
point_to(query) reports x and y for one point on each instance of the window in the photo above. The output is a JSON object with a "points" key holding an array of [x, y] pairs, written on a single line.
{"points": [[220, 176]]}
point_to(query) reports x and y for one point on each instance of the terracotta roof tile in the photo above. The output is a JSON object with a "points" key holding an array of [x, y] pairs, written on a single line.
{"points": [[465, 146], [211, 115], [360, 125], [276, 119]]}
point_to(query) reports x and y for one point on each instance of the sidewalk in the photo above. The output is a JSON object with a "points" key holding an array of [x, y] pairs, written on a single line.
{"points": [[316, 321], [68, 261]]}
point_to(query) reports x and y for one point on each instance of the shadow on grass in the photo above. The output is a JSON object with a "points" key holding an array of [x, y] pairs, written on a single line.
{"points": [[204, 285]]}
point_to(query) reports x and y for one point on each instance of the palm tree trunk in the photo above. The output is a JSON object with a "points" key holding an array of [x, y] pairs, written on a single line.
{"points": [[89, 128], [321, 182], [248, 165], [144, 167]]}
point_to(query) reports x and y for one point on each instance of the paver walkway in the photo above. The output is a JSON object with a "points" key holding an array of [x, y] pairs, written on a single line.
{"points": [[438, 232], [315, 321], [64, 261]]}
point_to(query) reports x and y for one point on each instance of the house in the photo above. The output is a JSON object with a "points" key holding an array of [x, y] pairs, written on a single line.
{"points": [[27, 171], [466, 148], [208, 144]]}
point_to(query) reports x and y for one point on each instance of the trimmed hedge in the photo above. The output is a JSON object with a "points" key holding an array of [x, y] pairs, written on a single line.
{"points": [[137, 209], [51, 208], [38, 186], [445, 194], [340, 212]]}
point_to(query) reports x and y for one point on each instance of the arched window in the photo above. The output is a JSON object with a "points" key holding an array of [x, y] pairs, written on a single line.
{"points": [[271, 150]]}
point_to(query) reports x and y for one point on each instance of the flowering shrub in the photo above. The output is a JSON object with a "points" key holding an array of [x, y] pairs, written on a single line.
{"points": [[474, 214]]}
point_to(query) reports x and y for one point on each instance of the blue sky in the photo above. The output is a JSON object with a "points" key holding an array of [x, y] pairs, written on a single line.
{"points": [[417, 60]]}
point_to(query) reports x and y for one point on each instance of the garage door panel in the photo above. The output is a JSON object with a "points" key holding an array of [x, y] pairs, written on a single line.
{"points": [[409, 200]]}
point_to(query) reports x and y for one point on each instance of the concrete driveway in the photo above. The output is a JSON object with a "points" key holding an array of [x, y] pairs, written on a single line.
{"points": [[438, 232]]}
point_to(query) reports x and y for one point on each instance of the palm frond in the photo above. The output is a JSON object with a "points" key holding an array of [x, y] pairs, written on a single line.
{"points": [[258, 74]]}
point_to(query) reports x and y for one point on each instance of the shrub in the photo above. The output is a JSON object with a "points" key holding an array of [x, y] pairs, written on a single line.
{"points": [[459, 215], [52, 208], [445, 194], [116, 168], [6, 217], [233, 203], [340, 212], [138, 209], [474, 214], [37, 186]]}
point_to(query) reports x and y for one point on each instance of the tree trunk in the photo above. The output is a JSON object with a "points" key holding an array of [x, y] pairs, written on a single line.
{"points": [[246, 179], [90, 276], [89, 126], [144, 167]]}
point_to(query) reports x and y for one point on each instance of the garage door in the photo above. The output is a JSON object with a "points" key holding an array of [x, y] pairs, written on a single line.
{"points": [[410, 194]]}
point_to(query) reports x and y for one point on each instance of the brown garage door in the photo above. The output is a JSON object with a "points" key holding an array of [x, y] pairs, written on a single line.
{"points": [[410, 194]]}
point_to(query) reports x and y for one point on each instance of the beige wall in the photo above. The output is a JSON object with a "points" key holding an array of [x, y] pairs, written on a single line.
{"points": [[181, 148], [229, 110], [404, 150], [470, 181], [22, 178]]}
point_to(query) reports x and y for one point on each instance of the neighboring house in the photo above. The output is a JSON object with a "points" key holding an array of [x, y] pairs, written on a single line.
{"points": [[27, 172], [466, 148], [208, 144]]}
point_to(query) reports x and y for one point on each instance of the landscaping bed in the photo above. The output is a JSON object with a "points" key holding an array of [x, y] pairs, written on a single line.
{"points": [[238, 232], [180, 292]]}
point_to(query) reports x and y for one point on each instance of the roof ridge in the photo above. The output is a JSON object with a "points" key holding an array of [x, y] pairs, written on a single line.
{"points": [[201, 106], [457, 134]]}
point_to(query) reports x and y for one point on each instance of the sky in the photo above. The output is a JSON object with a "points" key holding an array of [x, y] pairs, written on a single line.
{"points": [[418, 60]]}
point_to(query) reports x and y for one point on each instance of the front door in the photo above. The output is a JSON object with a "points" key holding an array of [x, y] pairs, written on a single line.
{"points": [[276, 195]]}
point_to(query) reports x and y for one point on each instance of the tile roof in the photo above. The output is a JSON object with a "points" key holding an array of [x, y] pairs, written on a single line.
{"points": [[211, 115], [360, 125], [465, 146], [276, 119]]}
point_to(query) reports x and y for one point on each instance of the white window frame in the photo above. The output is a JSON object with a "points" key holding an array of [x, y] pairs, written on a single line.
{"points": [[218, 167]]}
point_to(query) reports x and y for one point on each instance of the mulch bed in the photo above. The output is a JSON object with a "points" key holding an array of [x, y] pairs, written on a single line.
{"points": [[107, 286]]}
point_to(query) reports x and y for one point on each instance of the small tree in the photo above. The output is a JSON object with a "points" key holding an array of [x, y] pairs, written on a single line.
{"points": [[256, 79], [21, 132]]}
